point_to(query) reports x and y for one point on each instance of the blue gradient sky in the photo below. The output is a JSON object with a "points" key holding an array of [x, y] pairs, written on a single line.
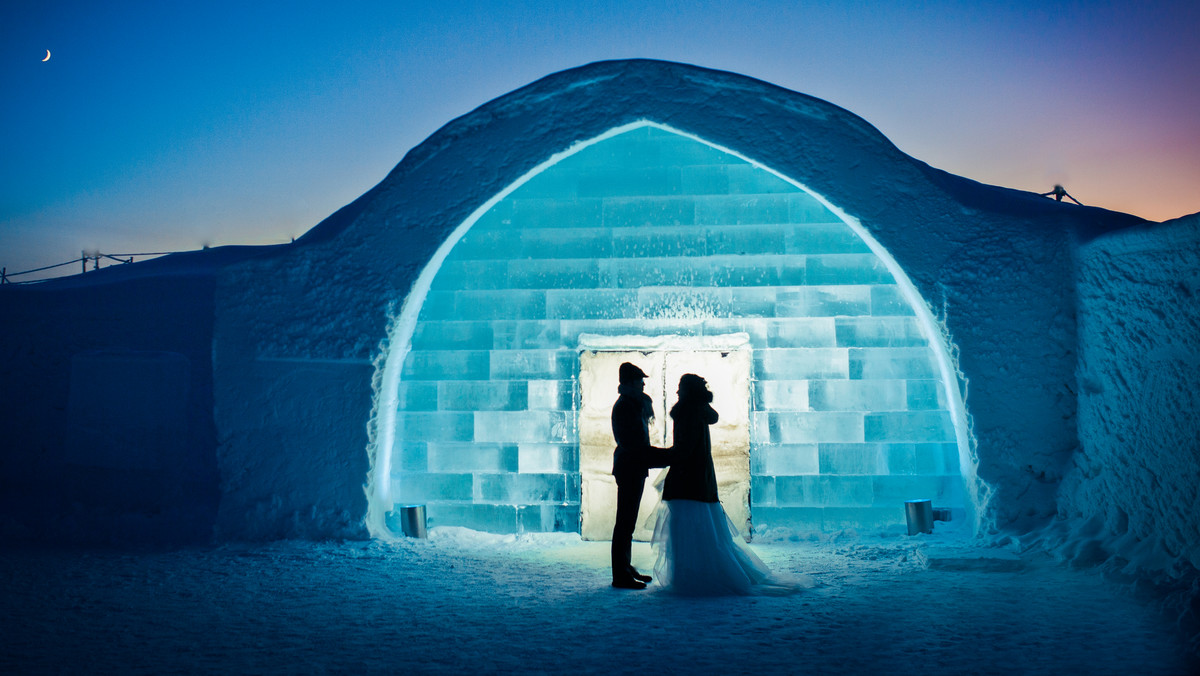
{"points": [[155, 127]]}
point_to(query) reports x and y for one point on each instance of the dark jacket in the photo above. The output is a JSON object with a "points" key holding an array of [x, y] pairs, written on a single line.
{"points": [[692, 476], [631, 429]]}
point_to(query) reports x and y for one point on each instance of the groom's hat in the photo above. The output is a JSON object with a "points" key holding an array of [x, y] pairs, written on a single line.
{"points": [[630, 373]]}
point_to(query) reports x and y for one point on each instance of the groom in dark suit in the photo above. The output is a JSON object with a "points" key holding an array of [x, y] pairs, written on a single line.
{"points": [[632, 459]]}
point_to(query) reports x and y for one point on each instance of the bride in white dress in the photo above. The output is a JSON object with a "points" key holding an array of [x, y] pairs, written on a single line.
{"points": [[699, 551]]}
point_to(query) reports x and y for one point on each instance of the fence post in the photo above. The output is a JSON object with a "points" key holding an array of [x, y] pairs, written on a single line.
{"points": [[83, 257]]}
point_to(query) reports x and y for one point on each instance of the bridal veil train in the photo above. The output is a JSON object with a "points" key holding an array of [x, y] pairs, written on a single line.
{"points": [[699, 551]]}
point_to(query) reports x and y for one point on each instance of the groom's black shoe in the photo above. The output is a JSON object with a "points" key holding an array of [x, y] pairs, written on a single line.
{"points": [[639, 577], [628, 584]]}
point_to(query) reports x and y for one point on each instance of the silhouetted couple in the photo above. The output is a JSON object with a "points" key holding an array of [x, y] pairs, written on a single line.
{"points": [[699, 550]]}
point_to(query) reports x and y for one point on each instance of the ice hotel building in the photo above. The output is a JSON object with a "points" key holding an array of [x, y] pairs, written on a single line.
{"points": [[874, 329]]}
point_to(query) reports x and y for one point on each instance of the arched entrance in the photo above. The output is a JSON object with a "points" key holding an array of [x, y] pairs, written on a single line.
{"points": [[646, 231]]}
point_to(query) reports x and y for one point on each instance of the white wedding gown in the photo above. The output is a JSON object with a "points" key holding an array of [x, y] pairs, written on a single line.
{"points": [[700, 553]]}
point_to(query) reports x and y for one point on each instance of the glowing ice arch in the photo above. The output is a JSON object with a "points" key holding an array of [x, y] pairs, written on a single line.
{"points": [[400, 333]]}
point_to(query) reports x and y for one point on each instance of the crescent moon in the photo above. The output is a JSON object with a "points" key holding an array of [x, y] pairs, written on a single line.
{"points": [[47, 56]]}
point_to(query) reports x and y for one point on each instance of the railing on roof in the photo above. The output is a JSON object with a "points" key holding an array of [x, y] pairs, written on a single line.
{"points": [[85, 257]]}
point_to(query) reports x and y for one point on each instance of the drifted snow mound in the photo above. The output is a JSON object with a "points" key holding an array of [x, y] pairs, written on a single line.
{"points": [[1131, 500]]}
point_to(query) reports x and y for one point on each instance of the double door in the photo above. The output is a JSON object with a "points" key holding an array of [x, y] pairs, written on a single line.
{"points": [[728, 374]]}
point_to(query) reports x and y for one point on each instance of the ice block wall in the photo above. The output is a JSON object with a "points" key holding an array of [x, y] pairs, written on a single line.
{"points": [[650, 233]]}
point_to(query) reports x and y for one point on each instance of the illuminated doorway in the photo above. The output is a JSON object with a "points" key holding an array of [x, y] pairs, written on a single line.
{"points": [[724, 361]]}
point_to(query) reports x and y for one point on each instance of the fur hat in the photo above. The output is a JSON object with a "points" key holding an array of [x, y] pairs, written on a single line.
{"points": [[630, 373]]}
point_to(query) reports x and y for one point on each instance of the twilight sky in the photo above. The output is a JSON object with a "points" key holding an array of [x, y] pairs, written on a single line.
{"points": [[160, 126]]}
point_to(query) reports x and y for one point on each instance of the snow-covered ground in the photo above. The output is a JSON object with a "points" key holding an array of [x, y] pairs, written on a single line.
{"points": [[467, 602]]}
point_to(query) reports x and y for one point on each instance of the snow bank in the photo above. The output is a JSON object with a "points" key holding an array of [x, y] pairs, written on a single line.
{"points": [[1132, 495]]}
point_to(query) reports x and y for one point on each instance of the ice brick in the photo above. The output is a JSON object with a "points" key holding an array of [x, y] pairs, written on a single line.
{"points": [[742, 209], [452, 335], [471, 274], [824, 491], [925, 395], [896, 489], [658, 242], [532, 364], [760, 271], [524, 426], [485, 395], [857, 395], [755, 327], [438, 306], [440, 426], [745, 240], [852, 459], [521, 489], [649, 212], [762, 491], [411, 456], [912, 426], [428, 486], [683, 303], [621, 181], [835, 269], [801, 332], [555, 211], [807, 428], [417, 395], [801, 363], [551, 395], [948, 454], [823, 301], [751, 301], [908, 458], [804, 208], [503, 304], [566, 243], [536, 458], [445, 365], [670, 271], [525, 335], [478, 516], [592, 304], [472, 457], [879, 332], [784, 459], [887, 300], [682, 150], [781, 395], [487, 243], [711, 179], [548, 518], [550, 273], [747, 179], [885, 363], [824, 238]]}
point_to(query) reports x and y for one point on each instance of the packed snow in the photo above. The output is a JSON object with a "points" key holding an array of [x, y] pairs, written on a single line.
{"points": [[469, 602]]}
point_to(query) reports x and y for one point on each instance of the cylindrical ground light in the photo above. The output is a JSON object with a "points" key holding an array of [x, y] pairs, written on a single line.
{"points": [[412, 520], [919, 514]]}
